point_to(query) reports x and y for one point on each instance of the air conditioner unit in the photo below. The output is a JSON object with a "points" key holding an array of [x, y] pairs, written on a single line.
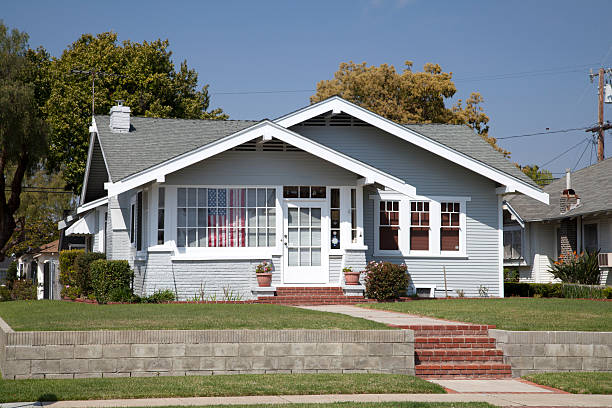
{"points": [[605, 260]]}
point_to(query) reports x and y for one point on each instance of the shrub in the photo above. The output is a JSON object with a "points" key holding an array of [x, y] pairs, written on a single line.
{"points": [[70, 292], [23, 289], [533, 289], [572, 291], [511, 275], [11, 274], [122, 294], [5, 294], [159, 296], [607, 292], [81, 269], [107, 276], [582, 269], [67, 275], [386, 280]]}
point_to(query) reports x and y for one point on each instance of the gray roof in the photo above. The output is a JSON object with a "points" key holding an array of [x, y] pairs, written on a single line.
{"points": [[152, 141], [463, 139], [592, 184]]}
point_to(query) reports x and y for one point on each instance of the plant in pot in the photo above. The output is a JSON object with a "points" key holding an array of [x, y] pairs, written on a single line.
{"points": [[351, 277], [263, 271]]}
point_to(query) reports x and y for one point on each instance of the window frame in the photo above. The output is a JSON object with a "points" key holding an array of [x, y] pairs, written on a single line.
{"points": [[514, 228], [582, 240]]}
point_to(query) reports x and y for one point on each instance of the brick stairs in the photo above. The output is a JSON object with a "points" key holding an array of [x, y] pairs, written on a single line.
{"points": [[302, 295], [457, 351]]}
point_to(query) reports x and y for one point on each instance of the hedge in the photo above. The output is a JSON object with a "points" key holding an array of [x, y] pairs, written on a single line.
{"points": [[557, 290], [108, 276], [66, 263], [81, 266]]}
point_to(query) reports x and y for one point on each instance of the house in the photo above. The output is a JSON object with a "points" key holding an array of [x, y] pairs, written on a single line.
{"points": [[578, 218], [195, 205], [42, 267]]}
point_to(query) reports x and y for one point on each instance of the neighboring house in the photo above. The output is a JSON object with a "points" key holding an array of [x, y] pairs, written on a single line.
{"points": [[42, 267], [197, 204], [578, 218]]}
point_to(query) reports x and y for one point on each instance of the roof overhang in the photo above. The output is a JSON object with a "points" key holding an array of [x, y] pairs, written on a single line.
{"points": [[514, 213], [93, 135], [92, 204], [337, 104], [265, 129], [83, 226]]}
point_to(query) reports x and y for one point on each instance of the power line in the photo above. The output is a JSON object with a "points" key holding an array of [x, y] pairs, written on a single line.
{"points": [[541, 133], [580, 158], [571, 148]]}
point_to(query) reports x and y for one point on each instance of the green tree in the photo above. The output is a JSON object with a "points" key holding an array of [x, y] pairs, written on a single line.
{"points": [[540, 176], [141, 74], [23, 131], [406, 97]]}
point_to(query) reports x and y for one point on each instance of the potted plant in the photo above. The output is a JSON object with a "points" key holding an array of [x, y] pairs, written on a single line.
{"points": [[351, 277], [263, 271]]}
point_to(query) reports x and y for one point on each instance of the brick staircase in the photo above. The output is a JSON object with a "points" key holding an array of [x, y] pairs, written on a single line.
{"points": [[457, 351], [310, 296]]}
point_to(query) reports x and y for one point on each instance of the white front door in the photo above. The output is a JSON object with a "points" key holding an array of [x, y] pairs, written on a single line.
{"points": [[305, 237]]}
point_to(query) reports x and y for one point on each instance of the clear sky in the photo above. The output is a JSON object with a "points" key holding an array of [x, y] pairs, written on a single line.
{"points": [[238, 46]]}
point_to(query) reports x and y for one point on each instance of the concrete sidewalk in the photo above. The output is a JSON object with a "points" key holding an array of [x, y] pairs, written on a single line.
{"points": [[498, 399], [382, 316]]}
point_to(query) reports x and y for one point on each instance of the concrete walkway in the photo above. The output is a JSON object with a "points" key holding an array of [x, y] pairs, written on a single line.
{"points": [[540, 399], [381, 316]]}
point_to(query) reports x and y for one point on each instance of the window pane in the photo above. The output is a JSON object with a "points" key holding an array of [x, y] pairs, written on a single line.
{"points": [[290, 191], [456, 207], [271, 237], [419, 239], [252, 217], [425, 218], [354, 219], [262, 239], [394, 218], [202, 237], [335, 218], [212, 217], [271, 197], [182, 197], [414, 218], [212, 197], [181, 235], [160, 237], [261, 197], [304, 192], [181, 217], [191, 237], [445, 219], [251, 197], [161, 202], [292, 216], [272, 217], [316, 237], [388, 238], [316, 257], [305, 257], [413, 206], [316, 217], [318, 192], [202, 217], [455, 219], [305, 237], [353, 198], [202, 197], [293, 257], [304, 217], [384, 218], [191, 197], [449, 239], [335, 239], [261, 217], [252, 237], [192, 220], [335, 197], [293, 237], [160, 219], [211, 237]]}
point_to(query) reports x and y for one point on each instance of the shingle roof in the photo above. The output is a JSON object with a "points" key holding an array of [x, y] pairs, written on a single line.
{"points": [[465, 140], [49, 248], [590, 183], [152, 141]]}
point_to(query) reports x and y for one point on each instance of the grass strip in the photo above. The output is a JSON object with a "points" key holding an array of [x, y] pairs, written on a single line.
{"points": [[213, 386], [576, 383], [527, 314], [60, 315], [362, 405]]}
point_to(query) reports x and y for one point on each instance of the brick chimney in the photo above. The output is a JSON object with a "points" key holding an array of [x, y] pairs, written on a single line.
{"points": [[120, 118], [569, 199]]}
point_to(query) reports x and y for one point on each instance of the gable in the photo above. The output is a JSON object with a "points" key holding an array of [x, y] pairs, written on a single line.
{"points": [[97, 174]]}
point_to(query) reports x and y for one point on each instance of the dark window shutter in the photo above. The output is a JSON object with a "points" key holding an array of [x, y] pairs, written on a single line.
{"points": [[139, 221]]}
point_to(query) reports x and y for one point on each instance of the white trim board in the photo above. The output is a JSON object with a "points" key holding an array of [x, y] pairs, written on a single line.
{"points": [[266, 128], [337, 104]]}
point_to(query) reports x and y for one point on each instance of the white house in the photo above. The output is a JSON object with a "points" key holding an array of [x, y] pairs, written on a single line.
{"points": [[199, 203], [578, 218], [41, 265]]}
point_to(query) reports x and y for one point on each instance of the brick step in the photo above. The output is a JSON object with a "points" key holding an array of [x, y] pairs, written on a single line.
{"points": [[431, 340], [444, 370], [448, 327], [459, 358], [451, 333]]}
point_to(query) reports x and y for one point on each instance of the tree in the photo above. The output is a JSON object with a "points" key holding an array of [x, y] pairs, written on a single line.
{"points": [[540, 176], [407, 97], [23, 131], [141, 74]]}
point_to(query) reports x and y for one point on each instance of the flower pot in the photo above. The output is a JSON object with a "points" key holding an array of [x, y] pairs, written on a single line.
{"points": [[351, 278], [264, 279]]}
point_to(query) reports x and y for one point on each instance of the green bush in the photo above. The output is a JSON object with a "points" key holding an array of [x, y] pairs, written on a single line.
{"points": [[511, 275], [81, 269], [607, 292], [23, 289], [582, 269], [522, 289], [123, 295], [11, 274], [67, 275], [159, 296], [573, 291], [386, 280], [108, 276], [5, 294]]}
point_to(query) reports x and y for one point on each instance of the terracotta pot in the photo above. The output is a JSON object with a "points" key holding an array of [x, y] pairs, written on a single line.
{"points": [[351, 278], [264, 279]]}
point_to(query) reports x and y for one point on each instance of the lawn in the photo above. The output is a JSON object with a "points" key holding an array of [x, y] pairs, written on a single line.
{"points": [[60, 315], [514, 313], [362, 405], [576, 383], [213, 386]]}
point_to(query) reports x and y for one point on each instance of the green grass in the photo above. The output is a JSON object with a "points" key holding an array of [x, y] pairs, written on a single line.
{"points": [[362, 405], [60, 315], [213, 386], [514, 313], [576, 383]]}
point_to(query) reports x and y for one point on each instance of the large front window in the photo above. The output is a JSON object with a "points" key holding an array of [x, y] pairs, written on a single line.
{"points": [[226, 217]]}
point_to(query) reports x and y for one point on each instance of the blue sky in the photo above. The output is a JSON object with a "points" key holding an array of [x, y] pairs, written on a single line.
{"points": [[240, 46]]}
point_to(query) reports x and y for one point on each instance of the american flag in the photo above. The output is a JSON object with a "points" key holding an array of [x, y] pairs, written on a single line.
{"points": [[237, 216]]}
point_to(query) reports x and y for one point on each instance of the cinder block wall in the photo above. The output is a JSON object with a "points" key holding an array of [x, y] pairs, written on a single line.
{"points": [[203, 352], [539, 351]]}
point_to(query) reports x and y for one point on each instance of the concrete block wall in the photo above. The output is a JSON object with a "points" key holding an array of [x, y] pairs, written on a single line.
{"points": [[203, 352], [540, 351]]}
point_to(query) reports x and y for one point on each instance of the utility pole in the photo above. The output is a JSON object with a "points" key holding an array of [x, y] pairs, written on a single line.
{"points": [[601, 126]]}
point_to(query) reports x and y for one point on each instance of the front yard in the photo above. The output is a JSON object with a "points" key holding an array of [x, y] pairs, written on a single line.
{"points": [[60, 315], [213, 386], [576, 383], [514, 313]]}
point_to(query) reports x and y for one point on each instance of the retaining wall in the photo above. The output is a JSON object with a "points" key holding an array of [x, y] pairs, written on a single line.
{"points": [[554, 351], [135, 353]]}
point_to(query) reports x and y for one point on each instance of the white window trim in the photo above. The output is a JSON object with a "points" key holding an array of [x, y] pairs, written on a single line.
{"points": [[434, 225], [521, 259]]}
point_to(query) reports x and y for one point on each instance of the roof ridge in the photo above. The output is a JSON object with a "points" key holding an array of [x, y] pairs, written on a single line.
{"points": [[190, 119]]}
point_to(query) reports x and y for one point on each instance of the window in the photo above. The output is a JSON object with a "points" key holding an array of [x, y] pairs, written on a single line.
{"points": [[449, 226], [419, 225], [334, 211], [304, 192], [389, 225], [353, 215], [590, 243], [513, 242], [139, 221], [132, 222], [161, 213], [226, 217]]}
